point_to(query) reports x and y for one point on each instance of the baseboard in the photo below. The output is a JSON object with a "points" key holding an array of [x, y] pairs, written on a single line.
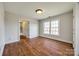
{"points": [[11, 42], [58, 40], [33, 37], [2, 49], [64, 41]]}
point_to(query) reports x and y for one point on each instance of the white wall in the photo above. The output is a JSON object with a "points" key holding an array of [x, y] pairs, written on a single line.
{"points": [[76, 29], [33, 29], [65, 27], [11, 27], [2, 34]]}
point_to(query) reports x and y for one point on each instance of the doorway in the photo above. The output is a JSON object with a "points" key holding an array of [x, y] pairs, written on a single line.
{"points": [[24, 26]]}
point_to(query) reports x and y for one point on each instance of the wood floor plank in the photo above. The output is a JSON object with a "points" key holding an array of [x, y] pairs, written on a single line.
{"points": [[39, 46]]}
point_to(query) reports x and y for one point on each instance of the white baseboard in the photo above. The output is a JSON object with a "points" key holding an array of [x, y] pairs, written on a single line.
{"points": [[58, 39], [2, 49], [64, 41], [8, 42], [32, 37]]}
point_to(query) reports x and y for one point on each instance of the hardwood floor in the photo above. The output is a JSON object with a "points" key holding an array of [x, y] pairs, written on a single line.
{"points": [[38, 47]]}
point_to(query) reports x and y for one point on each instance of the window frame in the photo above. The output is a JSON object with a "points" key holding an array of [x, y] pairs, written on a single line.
{"points": [[59, 23]]}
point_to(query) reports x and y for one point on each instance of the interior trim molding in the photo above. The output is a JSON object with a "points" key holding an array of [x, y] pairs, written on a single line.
{"points": [[58, 40], [2, 49], [11, 42]]}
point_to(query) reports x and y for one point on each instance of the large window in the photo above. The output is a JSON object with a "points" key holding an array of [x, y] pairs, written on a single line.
{"points": [[46, 27], [51, 27], [55, 27]]}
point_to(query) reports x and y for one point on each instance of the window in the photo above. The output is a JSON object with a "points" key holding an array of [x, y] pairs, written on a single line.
{"points": [[46, 27], [51, 27], [55, 27]]}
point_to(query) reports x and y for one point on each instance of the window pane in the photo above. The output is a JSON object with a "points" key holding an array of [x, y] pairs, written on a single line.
{"points": [[46, 26], [54, 27]]}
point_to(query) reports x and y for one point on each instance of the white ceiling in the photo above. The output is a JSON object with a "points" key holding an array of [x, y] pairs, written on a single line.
{"points": [[28, 8]]}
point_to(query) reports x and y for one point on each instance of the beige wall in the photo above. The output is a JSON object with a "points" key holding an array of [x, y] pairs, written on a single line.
{"points": [[65, 27]]}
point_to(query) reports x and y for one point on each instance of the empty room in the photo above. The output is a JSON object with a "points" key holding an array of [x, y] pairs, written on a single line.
{"points": [[39, 29]]}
